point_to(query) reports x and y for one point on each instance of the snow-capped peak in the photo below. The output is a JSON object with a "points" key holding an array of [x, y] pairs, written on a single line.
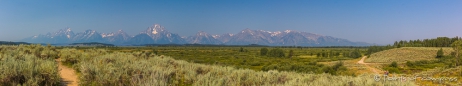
{"points": [[288, 31], [107, 34], [154, 32], [275, 33], [201, 33], [113, 34], [63, 31], [68, 30], [216, 36], [156, 28], [89, 32], [246, 30], [231, 34]]}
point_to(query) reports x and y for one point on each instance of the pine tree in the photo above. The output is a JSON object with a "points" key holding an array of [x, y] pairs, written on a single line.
{"points": [[440, 53]]}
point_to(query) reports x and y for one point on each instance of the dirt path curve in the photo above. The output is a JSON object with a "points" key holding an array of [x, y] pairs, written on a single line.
{"points": [[68, 77], [375, 70]]}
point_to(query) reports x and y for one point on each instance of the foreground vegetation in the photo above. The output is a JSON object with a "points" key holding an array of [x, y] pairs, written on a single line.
{"points": [[31, 65], [28, 65]]}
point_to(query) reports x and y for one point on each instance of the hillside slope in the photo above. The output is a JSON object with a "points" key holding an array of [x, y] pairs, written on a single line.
{"points": [[406, 54]]}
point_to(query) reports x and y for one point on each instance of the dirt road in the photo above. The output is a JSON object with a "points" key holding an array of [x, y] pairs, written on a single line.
{"points": [[68, 77], [375, 70]]}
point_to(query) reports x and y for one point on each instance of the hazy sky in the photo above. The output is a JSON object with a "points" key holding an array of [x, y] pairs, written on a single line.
{"points": [[372, 21]]}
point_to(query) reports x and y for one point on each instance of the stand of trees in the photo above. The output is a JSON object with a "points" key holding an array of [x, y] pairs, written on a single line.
{"points": [[438, 42], [355, 54], [276, 52]]}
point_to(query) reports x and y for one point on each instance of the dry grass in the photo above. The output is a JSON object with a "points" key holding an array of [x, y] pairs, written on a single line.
{"points": [[406, 54]]}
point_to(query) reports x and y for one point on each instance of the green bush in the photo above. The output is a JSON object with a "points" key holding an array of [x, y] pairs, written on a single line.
{"points": [[394, 64]]}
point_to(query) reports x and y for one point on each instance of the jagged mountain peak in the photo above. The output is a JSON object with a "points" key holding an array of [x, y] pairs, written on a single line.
{"points": [[216, 36], [203, 38], [159, 35], [118, 37], [89, 31], [68, 29], [64, 31], [67, 32], [288, 31], [120, 31], [229, 34], [156, 28], [202, 33], [247, 30]]}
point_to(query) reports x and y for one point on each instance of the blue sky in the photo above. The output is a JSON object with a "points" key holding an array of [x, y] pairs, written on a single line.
{"points": [[372, 21]]}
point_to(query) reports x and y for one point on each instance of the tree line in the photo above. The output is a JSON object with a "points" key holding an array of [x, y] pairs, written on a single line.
{"points": [[435, 42]]}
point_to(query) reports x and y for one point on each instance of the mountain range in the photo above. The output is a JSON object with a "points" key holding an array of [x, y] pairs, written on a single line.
{"points": [[157, 34]]}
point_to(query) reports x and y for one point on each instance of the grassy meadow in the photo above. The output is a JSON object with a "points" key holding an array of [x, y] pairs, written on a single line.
{"points": [[219, 66], [35, 65]]}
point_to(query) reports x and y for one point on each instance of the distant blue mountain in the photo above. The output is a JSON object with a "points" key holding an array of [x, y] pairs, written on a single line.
{"points": [[157, 34]]}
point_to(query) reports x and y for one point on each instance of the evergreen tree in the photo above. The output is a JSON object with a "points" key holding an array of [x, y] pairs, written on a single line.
{"points": [[440, 53]]}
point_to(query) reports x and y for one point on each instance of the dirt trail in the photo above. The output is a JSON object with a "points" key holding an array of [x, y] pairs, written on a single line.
{"points": [[68, 77], [375, 70]]}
